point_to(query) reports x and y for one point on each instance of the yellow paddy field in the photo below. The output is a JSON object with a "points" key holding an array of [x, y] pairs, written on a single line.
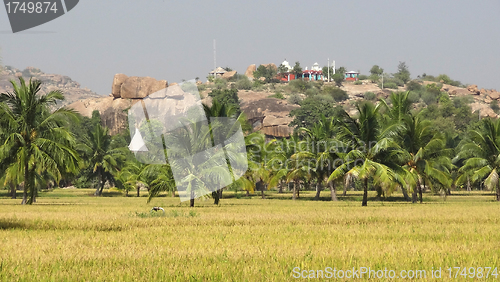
{"points": [[71, 236]]}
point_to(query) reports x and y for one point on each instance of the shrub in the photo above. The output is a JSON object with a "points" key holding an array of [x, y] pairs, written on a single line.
{"points": [[244, 83], [414, 96], [294, 99], [370, 96], [277, 95], [390, 85], [336, 93], [220, 83], [299, 85], [429, 97], [413, 86], [363, 77], [374, 78], [202, 87], [312, 92], [494, 106], [358, 82]]}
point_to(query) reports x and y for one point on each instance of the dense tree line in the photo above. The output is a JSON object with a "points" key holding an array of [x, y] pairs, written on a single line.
{"points": [[390, 145]]}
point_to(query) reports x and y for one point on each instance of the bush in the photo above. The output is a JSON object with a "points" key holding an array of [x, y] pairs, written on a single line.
{"points": [[370, 96], [374, 78], [202, 87], [338, 78], [391, 85], [299, 86], [429, 98], [294, 99], [336, 93], [277, 95], [312, 92], [413, 86], [494, 106], [414, 97], [358, 82], [244, 83], [363, 77], [220, 83]]}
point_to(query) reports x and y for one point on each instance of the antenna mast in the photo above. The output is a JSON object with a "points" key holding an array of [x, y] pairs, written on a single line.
{"points": [[215, 57]]}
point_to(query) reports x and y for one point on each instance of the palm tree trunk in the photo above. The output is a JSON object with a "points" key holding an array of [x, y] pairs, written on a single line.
{"points": [[332, 191], [25, 188], [345, 189], [13, 191], [98, 186], [420, 192], [295, 184], [414, 194], [280, 187], [215, 195], [405, 194], [318, 190], [191, 201], [498, 191], [365, 194], [173, 193]]}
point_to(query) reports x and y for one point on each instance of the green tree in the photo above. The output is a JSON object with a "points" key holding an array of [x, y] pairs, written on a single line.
{"points": [[297, 70], [374, 156], [37, 144], [268, 72], [310, 111], [228, 97], [104, 158], [338, 78], [481, 154], [376, 70], [403, 72]]}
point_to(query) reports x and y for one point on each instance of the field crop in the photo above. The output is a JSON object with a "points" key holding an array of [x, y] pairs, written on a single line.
{"points": [[70, 236]]}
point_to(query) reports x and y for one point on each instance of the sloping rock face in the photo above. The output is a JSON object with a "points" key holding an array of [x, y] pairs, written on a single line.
{"points": [[250, 70], [50, 82], [270, 116], [112, 110], [125, 92]]}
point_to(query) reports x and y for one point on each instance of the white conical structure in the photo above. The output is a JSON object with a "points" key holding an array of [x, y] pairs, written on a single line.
{"points": [[137, 144]]}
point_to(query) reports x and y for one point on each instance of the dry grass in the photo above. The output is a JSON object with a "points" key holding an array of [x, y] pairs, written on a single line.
{"points": [[85, 238]]}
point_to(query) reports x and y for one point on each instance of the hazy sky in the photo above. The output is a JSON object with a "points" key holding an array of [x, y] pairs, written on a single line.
{"points": [[173, 40]]}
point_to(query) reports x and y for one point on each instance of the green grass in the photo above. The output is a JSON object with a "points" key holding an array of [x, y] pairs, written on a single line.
{"points": [[70, 236]]}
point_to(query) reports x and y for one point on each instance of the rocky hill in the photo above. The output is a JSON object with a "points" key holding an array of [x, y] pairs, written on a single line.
{"points": [[268, 114], [71, 89]]}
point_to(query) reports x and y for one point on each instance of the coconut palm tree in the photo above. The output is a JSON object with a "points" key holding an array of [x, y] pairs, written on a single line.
{"points": [[481, 152], [374, 154], [326, 151], [426, 156], [102, 156], [36, 139]]}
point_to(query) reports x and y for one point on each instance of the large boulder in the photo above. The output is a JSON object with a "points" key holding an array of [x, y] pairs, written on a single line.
{"points": [[473, 89], [250, 70], [229, 74], [460, 92], [118, 80], [271, 65], [494, 95], [269, 115], [140, 87]]}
